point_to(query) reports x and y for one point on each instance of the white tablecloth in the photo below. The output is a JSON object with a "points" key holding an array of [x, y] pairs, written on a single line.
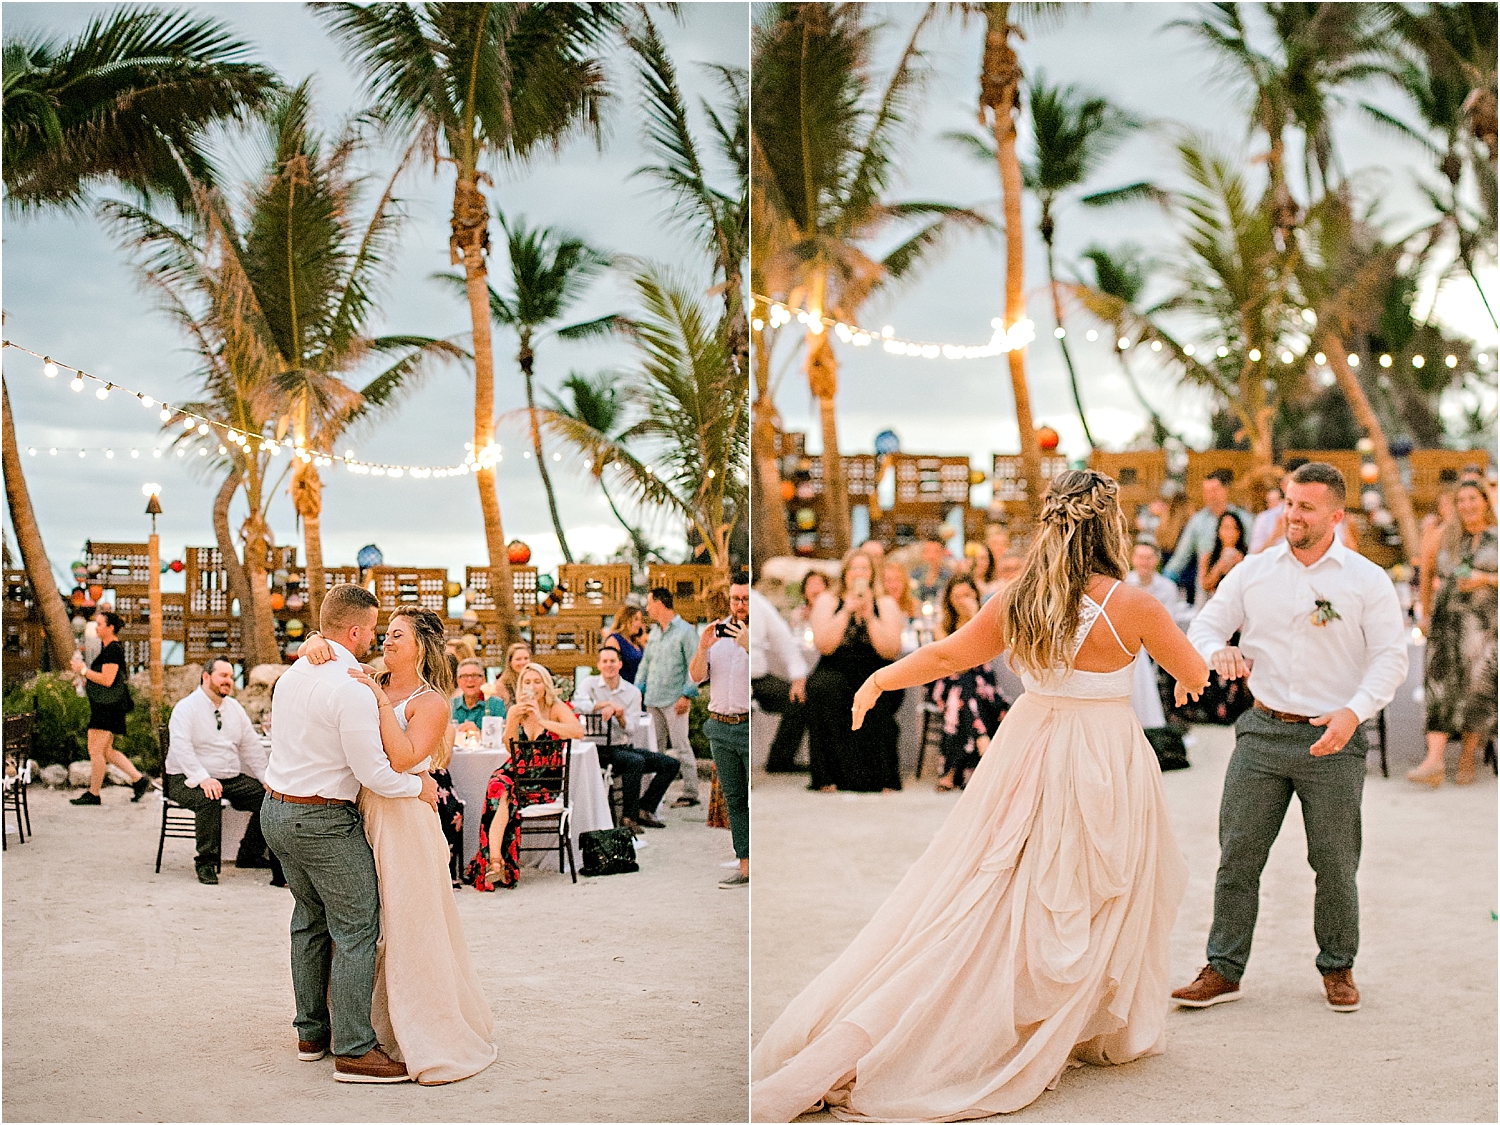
{"points": [[587, 797]]}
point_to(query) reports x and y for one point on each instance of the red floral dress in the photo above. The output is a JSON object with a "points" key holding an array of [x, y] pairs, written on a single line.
{"points": [[502, 788]]}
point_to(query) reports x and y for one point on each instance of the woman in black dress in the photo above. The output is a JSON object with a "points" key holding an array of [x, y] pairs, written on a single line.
{"points": [[109, 703], [857, 632]]}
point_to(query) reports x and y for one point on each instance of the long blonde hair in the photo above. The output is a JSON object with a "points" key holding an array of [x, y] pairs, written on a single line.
{"points": [[1082, 533], [1453, 530], [505, 686], [549, 687], [433, 667], [904, 600], [877, 573]]}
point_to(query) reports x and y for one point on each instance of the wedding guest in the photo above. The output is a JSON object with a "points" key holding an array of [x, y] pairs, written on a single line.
{"points": [[450, 806], [536, 715], [517, 657], [618, 701], [1323, 644], [723, 659], [857, 632], [778, 680], [1202, 531], [997, 540], [970, 700], [874, 548], [983, 567], [461, 648], [1145, 695], [1263, 532], [1227, 553], [109, 702], [627, 636], [814, 583], [1458, 600], [932, 575], [1144, 559], [896, 583], [213, 753], [668, 689], [471, 705]]}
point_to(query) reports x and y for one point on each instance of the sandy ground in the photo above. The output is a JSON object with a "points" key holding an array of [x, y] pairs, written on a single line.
{"points": [[130, 996], [1423, 1048]]}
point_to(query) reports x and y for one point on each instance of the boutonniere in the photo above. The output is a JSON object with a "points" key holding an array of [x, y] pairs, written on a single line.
{"points": [[1323, 611]]}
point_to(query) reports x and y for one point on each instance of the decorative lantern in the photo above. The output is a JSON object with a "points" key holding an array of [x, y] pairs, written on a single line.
{"points": [[807, 519], [294, 628], [1365, 445], [1369, 472], [1402, 446], [95, 593], [518, 553], [976, 476], [278, 601], [544, 583], [452, 589], [1381, 518], [886, 442], [79, 624], [369, 555], [788, 490], [1370, 500], [1047, 439], [176, 566], [295, 602]]}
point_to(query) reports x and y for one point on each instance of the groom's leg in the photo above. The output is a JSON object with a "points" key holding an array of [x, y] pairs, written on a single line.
{"points": [[1257, 790], [311, 948], [1330, 790]]}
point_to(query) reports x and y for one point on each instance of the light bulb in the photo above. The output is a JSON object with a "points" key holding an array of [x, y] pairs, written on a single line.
{"points": [[1222, 352], [53, 451], [102, 393], [1451, 361], [203, 428], [77, 383], [1059, 332], [156, 453], [147, 401], [1156, 345], [110, 454], [1320, 359], [187, 424], [1385, 361], [1188, 349], [1254, 355], [165, 415], [49, 368], [1353, 360], [1122, 343], [1287, 357], [1091, 335], [31, 451], [1418, 361]]}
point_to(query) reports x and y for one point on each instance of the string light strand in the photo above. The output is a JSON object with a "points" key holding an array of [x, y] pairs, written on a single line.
{"points": [[1003, 340]]}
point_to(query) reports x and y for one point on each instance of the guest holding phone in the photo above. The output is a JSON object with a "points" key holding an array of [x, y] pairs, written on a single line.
{"points": [[109, 703]]}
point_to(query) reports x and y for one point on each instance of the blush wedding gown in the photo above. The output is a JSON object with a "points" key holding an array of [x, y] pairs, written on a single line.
{"points": [[1030, 936], [428, 1010]]}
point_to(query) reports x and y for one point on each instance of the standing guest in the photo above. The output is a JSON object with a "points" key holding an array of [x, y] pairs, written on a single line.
{"points": [[1227, 553], [1323, 644], [933, 574], [983, 570], [997, 540], [618, 701], [723, 659], [517, 657], [668, 689], [1144, 559], [461, 648], [109, 703], [896, 584], [857, 632], [874, 548], [814, 583], [627, 636], [778, 680], [213, 753], [470, 706], [1459, 576], [1264, 531], [1202, 531], [970, 701], [1145, 696], [450, 806]]}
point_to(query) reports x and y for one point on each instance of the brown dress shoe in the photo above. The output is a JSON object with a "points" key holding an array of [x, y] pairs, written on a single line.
{"points": [[1338, 987], [1209, 989], [311, 1052], [372, 1066]]}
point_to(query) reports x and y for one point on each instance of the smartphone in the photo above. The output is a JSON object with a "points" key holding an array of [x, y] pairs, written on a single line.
{"points": [[859, 585], [721, 629]]}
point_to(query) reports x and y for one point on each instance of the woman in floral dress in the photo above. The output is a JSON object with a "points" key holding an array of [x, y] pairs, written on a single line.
{"points": [[970, 701]]}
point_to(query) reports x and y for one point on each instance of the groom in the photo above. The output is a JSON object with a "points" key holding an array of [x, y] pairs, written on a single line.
{"points": [[325, 744], [1323, 642]]}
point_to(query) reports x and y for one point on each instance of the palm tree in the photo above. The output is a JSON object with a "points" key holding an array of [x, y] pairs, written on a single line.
{"points": [[479, 83], [1073, 133], [549, 271], [598, 403], [824, 160], [686, 450], [129, 101], [277, 304]]}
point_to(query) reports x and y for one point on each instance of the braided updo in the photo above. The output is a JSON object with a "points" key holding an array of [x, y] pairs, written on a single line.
{"points": [[1082, 533]]}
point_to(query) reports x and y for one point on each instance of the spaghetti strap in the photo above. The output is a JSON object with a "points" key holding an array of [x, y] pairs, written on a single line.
{"points": [[1110, 623]]}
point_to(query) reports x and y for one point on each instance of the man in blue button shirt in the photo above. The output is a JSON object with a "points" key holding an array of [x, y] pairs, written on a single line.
{"points": [[470, 708], [668, 689]]}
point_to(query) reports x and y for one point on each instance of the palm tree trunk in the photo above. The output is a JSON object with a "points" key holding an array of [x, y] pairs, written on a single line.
{"points": [[470, 224], [260, 621], [768, 523], [1390, 474], [823, 379], [33, 554], [526, 360], [307, 497], [1063, 340], [239, 587], [999, 83]]}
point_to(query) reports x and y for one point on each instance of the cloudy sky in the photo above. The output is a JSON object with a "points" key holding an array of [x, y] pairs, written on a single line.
{"points": [[69, 291], [1128, 53]]}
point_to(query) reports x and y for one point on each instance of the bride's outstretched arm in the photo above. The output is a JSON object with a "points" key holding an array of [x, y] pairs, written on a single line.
{"points": [[1168, 646], [982, 639]]}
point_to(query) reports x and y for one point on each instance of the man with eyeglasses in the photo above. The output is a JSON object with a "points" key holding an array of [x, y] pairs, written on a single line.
{"points": [[214, 753], [723, 659], [471, 706]]}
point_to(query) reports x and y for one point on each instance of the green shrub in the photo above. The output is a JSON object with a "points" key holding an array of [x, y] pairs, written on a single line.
{"points": [[697, 738], [62, 718]]}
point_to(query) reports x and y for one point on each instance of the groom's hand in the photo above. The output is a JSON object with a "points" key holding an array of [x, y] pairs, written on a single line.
{"points": [[1231, 664], [1341, 726], [429, 790]]}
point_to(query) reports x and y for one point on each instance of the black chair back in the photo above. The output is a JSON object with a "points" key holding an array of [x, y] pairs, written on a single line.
{"points": [[599, 728], [540, 769]]}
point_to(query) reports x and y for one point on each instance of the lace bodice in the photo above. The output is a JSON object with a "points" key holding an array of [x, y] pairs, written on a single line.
{"points": [[1079, 684], [400, 709]]}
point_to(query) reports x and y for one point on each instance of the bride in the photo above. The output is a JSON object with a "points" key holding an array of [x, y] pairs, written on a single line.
{"points": [[428, 1000], [1033, 933]]}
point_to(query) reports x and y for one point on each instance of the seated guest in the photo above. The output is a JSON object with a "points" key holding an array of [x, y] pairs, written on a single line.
{"points": [[517, 656], [618, 701], [537, 714], [627, 636], [214, 753], [471, 706]]}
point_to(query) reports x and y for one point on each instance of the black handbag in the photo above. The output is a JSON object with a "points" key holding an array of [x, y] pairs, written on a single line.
{"points": [[608, 851], [1171, 751]]}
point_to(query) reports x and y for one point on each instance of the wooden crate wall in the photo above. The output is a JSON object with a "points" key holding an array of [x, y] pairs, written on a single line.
{"points": [[1435, 471], [396, 587], [1140, 475], [125, 564], [522, 584], [212, 636], [208, 594], [563, 644], [688, 583], [594, 588], [1009, 479]]}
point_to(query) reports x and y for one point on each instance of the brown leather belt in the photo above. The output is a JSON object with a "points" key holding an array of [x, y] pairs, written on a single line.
{"points": [[1282, 716], [289, 799], [729, 720]]}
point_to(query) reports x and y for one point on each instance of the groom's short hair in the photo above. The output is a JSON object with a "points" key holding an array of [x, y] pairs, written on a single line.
{"points": [[343, 606], [1321, 472]]}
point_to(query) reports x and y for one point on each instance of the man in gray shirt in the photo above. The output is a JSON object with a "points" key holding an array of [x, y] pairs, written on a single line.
{"points": [[1198, 535]]}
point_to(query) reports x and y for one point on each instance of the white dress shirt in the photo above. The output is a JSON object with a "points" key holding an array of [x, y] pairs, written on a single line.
{"points": [[325, 735], [774, 651], [592, 691], [728, 677], [201, 747], [1357, 661]]}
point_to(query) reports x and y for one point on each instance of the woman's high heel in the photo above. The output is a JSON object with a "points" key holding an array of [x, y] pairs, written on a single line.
{"points": [[1427, 775]]}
